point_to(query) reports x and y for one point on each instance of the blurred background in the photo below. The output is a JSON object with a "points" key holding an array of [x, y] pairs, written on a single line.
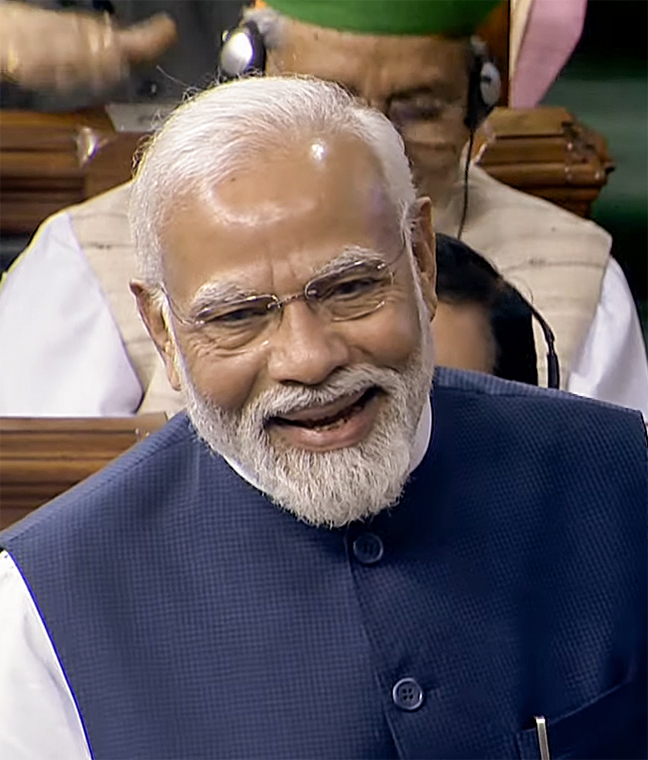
{"points": [[605, 84]]}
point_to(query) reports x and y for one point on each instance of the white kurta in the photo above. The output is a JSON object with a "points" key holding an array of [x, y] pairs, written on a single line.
{"points": [[39, 719], [62, 353]]}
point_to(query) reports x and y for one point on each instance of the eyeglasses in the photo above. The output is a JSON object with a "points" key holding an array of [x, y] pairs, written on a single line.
{"points": [[235, 326]]}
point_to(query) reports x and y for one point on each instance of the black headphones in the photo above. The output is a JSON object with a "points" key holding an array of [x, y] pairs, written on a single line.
{"points": [[484, 85], [243, 52], [553, 366], [513, 300], [484, 90]]}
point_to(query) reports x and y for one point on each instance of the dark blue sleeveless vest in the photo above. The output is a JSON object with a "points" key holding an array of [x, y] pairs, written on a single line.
{"points": [[194, 619]]}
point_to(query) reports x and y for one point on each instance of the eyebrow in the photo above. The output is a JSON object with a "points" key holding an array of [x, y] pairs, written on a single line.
{"points": [[219, 292], [225, 291], [351, 255]]}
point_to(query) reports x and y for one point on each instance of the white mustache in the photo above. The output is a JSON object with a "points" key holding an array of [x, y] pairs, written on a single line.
{"points": [[346, 382]]}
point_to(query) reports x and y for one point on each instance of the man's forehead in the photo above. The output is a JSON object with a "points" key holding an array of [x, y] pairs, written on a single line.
{"points": [[261, 187], [314, 203], [407, 62], [293, 180]]}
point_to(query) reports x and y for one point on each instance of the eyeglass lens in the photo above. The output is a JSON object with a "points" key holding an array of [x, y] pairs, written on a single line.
{"points": [[354, 292]]}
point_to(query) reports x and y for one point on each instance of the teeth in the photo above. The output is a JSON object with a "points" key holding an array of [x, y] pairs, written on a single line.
{"points": [[324, 421], [330, 422]]}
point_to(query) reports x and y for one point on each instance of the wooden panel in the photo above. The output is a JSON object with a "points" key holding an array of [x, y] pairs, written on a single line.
{"points": [[547, 174], [41, 458], [543, 121], [21, 214], [546, 152], [112, 164], [51, 161]]}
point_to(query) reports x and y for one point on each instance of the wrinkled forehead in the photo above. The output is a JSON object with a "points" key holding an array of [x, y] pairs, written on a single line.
{"points": [[273, 223], [392, 62]]}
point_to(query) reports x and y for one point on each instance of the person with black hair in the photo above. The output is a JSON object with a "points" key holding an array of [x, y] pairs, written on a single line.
{"points": [[493, 319]]}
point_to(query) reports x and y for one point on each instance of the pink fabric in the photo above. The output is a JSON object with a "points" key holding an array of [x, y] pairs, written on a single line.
{"points": [[553, 30]]}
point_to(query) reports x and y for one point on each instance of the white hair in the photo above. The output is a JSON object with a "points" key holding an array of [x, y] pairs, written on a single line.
{"points": [[230, 127]]}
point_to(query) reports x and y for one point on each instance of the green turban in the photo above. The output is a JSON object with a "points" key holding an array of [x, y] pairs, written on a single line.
{"points": [[443, 17]]}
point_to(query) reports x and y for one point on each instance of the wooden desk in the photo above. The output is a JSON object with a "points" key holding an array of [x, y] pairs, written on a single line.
{"points": [[50, 161], [41, 458]]}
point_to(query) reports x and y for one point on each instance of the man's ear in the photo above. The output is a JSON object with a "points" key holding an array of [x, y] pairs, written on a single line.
{"points": [[150, 309], [424, 248]]}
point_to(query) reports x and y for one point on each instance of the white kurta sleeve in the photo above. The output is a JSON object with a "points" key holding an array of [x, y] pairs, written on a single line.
{"points": [[611, 365], [61, 352], [39, 719]]}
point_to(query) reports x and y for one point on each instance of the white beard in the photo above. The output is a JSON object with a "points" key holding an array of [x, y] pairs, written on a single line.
{"points": [[330, 488]]}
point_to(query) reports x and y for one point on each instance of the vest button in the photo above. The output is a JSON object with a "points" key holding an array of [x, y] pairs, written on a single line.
{"points": [[368, 548], [407, 694]]}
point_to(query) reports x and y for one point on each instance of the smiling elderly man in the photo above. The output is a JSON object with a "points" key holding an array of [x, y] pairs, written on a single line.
{"points": [[324, 559]]}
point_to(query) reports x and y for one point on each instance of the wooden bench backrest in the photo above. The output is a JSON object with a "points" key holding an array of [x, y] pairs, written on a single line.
{"points": [[49, 161], [41, 458]]}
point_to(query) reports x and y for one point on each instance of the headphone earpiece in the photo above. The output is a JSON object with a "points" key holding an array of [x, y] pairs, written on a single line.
{"points": [[242, 53], [484, 90], [484, 85]]}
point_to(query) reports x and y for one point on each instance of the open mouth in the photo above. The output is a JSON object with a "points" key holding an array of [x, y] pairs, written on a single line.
{"points": [[330, 416]]}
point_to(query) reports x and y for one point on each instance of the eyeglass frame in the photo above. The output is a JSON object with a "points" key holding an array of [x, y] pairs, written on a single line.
{"points": [[277, 304]]}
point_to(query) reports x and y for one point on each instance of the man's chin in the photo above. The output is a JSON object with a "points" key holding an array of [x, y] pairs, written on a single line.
{"points": [[324, 488], [334, 488]]}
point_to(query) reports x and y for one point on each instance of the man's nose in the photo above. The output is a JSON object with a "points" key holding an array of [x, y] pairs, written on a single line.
{"points": [[306, 348]]}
